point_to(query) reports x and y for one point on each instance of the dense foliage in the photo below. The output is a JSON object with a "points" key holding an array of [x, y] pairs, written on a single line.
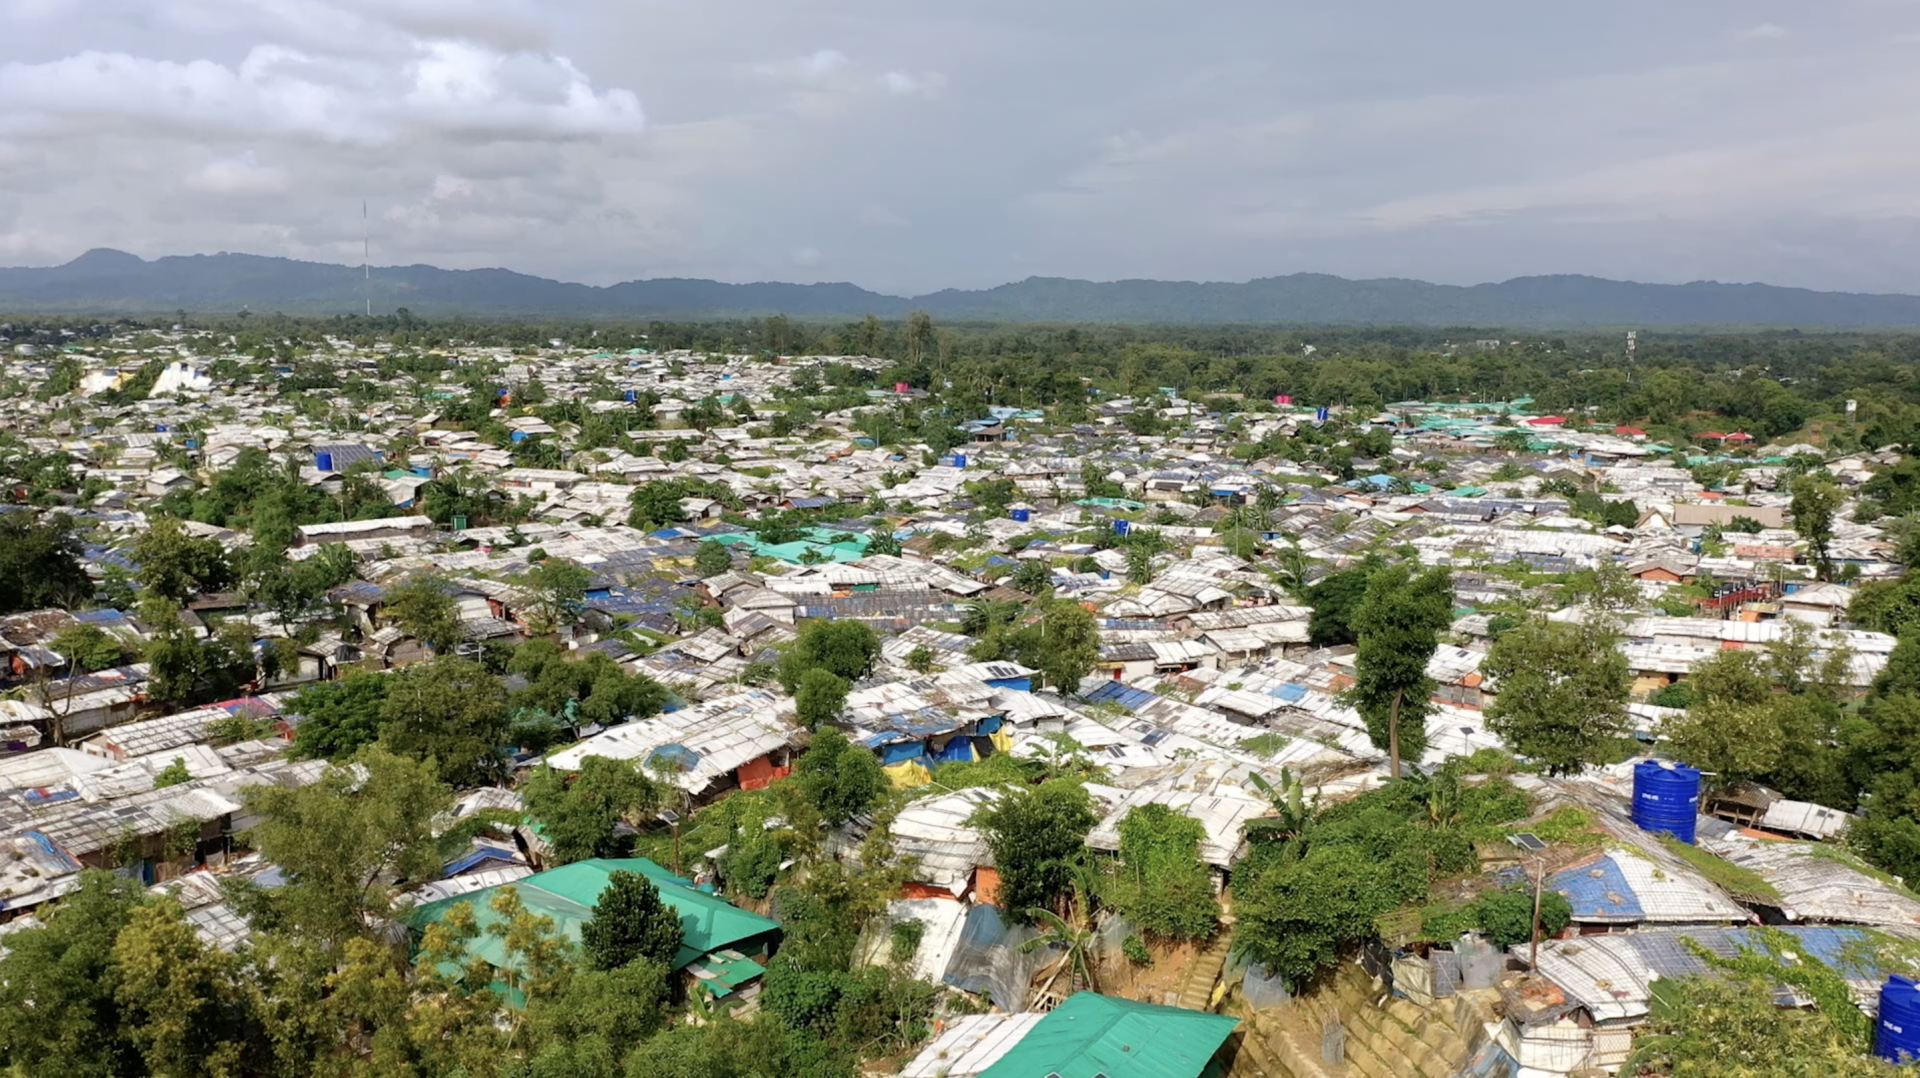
{"points": [[1038, 837]]}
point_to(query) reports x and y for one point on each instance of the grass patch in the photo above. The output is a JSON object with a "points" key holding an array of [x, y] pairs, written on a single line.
{"points": [[1265, 745], [1735, 880], [1568, 826], [1845, 857]]}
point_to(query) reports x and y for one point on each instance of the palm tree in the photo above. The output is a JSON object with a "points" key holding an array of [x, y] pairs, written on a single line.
{"points": [[977, 618], [1292, 816], [1076, 945], [1032, 575], [1290, 567]]}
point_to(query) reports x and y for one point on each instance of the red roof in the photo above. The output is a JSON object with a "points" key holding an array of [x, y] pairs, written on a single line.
{"points": [[1628, 430], [1711, 434], [1739, 436], [1548, 420]]}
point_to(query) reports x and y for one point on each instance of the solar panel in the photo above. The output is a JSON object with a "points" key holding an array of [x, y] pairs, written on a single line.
{"points": [[1527, 841]]}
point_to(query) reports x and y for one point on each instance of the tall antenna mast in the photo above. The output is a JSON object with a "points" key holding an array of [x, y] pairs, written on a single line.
{"points": [[366, 256]]}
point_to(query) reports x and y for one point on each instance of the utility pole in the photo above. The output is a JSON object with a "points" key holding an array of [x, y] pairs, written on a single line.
{"points": [[1539, 880]]}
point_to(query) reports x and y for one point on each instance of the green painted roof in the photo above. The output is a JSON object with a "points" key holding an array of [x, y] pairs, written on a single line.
{"points": [[722, 974], [1090, 1034], [567, 895], [793, 552]]}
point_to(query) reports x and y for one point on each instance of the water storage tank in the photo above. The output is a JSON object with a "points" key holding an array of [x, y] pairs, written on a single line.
{"points": [[323, 460], [632, 395], [1021, 514], [1120, 526], [959, 460], [1666, 797], [1897, 1035]]}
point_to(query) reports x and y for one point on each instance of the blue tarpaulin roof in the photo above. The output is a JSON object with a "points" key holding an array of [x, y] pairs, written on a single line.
{"points": [[1116, 693], [1599, 892]]}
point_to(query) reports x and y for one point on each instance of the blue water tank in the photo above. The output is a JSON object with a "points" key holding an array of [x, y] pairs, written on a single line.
{"points": [[1666, 797], [1120, 526], [1897, 1035], [959, 460], [323, 460], [160, 428], [632, 395], [1022, 515]]}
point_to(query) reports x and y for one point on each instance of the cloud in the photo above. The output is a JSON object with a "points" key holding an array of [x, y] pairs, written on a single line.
{"points": [[241, 175], [925, 83], [824, 62], [1092, 139], [396, 86]]}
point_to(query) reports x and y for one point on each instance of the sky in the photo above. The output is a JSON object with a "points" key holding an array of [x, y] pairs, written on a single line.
{"points": [[907, 146]]}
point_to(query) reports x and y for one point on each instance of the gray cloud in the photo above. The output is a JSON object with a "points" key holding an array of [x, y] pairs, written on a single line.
{"points": [[911, 147]]}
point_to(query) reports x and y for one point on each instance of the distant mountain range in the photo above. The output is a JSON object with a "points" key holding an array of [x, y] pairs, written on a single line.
{"points": [[105, 281]]}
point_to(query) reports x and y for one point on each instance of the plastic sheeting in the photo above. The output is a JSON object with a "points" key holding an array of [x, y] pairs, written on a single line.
{"points": [[1112, 934], [1480, 962], [1264, 988], [987, 960], [902, 751], [957, 750], [909, 774]]}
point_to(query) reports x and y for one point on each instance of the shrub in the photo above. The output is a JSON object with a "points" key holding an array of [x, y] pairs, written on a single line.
{"points": [[903, 939]]}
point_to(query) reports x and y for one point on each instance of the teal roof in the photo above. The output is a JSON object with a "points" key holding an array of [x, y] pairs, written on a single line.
{"points": [[1112, 503], [567, 895], [725, 973], [1090, 1034], [793, 552]]}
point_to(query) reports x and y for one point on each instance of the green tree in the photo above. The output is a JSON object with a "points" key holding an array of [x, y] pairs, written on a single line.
{"points": [[58, 1014], [1732, 677], [580, 814], [1069, 645], [86, 648], [182, 1003], [556, 592], [1816, 503], [631, 923], [452, 712], [1038, 837], [339, 718], [841, 780], [1297, 917], [1398, 624], [1730, 741], [423, 607], [1160, 883], [712, 559], [341, 841], [1563, 691], [177, 566], [821, 696], [847, 649], [40, 563], [1335, 600]]}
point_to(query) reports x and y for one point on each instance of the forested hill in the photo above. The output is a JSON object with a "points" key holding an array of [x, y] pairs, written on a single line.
{"points": [[108, 281]]}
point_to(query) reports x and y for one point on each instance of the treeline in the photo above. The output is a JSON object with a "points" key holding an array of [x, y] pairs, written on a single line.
{"points": [[1769, 383]]}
